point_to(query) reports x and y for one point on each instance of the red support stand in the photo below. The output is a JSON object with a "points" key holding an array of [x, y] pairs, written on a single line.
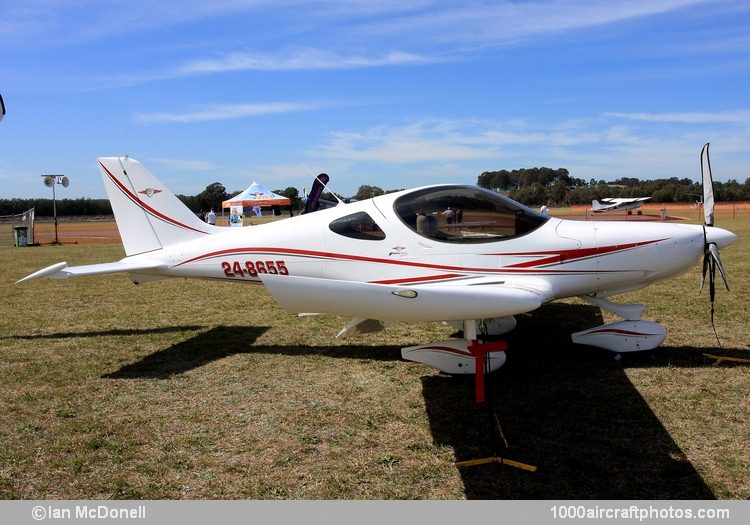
{"points": [[480, 351]]}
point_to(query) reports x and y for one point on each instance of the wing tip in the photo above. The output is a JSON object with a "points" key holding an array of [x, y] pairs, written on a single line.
{"points": [[49, 271]]}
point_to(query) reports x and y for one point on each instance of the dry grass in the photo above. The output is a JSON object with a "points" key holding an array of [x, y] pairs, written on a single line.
{"points": [[193, 389]]}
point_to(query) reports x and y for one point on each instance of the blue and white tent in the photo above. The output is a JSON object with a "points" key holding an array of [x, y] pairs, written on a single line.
{"points": [[256, 195]]}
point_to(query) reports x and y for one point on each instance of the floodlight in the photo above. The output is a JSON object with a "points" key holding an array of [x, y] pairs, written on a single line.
{"points": [[50, 181]]}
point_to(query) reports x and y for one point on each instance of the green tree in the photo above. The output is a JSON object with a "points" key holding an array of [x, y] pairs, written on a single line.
{"points": [[292, 194], [368, 192], [212, 197]]}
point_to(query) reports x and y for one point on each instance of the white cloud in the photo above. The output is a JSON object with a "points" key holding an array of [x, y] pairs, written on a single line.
{"points": [[374, 26], [600, 148], [230, 111], [185, 164], [436, 140], [301, 59], [719, 117], [419, 142], [495, 23]]}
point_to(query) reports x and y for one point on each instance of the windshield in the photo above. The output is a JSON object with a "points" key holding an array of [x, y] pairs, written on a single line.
{"points": [[465, 214]]}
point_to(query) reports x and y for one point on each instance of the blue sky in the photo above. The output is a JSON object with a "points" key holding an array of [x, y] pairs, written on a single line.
{"points": [[381, 92]]}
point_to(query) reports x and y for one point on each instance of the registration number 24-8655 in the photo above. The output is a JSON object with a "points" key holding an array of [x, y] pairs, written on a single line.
{"points": [[253, 268]]}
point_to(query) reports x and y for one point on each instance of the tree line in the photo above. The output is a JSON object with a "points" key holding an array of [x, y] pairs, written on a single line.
{"points": [[44, 207], [530, 186], [537, 186], [210, 198]]}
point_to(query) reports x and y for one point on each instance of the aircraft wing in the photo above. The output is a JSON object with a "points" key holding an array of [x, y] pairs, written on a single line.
{"points": [[63, 271], [604, 205], [617, 203], [625, 200], [402, 302]]}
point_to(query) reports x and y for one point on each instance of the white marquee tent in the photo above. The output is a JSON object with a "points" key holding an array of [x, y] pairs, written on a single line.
{"points": [[256, 195]]}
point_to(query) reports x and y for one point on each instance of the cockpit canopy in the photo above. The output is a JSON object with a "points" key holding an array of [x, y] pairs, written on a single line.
{"points": [[465, 214]]}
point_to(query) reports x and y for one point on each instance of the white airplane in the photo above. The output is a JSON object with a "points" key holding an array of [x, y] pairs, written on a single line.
{"points": [[620, 203], [396, 257]]}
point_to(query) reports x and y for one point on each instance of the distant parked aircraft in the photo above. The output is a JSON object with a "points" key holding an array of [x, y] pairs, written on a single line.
{"points": [[617, 204]]}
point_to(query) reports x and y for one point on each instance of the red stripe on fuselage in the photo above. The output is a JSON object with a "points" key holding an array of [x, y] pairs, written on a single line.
{"points": [[563, 256], [618, 331], [529, 267], [409, 280]]}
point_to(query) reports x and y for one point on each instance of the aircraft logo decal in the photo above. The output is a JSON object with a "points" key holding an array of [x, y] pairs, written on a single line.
{"points": [[150, 192]]}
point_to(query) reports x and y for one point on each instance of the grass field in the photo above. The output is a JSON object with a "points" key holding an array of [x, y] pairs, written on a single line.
{"points": [[194, 389]]}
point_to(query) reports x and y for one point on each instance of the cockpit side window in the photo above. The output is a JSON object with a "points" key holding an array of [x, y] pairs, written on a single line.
{"points": [[465, 214], [358, 226]]}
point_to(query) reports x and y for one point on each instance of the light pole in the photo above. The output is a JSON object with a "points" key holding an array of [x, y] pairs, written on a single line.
{"points": [[50, 181]]}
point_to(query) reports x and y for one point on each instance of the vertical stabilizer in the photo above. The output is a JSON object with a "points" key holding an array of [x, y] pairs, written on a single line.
{"points": [[148, 215]]}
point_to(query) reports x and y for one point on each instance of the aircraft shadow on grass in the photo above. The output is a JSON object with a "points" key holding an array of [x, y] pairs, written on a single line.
{"points": [[107, 333], [570, 410]]}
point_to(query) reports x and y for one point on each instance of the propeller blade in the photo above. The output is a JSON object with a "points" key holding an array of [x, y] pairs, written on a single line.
{"points": [[711, 237], [711, 261], [709, 266], [706, 260], [708, 187], [714, 251]]}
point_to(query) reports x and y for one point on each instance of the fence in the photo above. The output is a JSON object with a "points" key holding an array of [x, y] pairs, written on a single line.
{"points": [[69, 231]]}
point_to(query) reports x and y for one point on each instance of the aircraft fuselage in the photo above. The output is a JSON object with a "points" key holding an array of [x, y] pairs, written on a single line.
{"points": [[567, 257]]}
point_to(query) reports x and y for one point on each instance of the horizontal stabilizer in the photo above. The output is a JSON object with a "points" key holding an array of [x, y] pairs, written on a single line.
{"points": [[402, 303], [63, 271]]}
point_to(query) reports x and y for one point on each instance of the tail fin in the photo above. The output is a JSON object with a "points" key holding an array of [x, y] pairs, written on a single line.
{"points": [[597, 206], [148, 215]]}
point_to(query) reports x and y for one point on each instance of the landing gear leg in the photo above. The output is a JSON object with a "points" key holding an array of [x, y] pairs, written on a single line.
{"points": [[480, 352]]}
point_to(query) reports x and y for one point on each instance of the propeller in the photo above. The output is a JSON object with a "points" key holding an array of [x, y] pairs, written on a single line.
{"points": [[711, 259]]}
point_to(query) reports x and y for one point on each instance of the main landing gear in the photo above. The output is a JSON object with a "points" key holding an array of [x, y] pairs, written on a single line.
{"points": [[471, 355]]}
